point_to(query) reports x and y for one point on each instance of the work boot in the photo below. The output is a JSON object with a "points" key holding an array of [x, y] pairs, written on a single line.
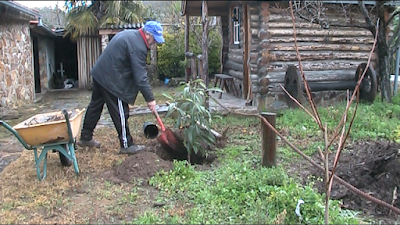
{"points": [[133, 149], [91, 143]]}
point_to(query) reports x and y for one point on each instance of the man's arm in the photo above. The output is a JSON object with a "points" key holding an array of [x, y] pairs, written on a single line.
{"points": [[138, 66]]}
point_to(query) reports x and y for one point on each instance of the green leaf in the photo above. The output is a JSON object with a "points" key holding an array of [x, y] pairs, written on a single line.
{"points": [[168, 96]]}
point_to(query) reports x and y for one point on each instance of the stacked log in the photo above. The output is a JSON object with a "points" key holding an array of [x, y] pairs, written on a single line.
{"points": [[327, 54]]}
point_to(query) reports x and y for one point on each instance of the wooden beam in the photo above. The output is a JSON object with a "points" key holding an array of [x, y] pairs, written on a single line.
{"points": [[109, 31], [215, 12], [246, 69], [187, 75]]}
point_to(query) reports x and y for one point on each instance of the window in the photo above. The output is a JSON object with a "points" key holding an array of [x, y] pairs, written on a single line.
{"points": [[236, 31], [236, 25]]}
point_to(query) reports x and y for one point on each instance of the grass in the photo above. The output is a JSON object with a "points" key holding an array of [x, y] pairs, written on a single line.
{"points": [[235, 189], [375, 121], [238, 191], [158, 95]]}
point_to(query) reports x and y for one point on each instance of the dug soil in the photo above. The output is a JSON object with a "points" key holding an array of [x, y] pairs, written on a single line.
{"points": [[155, 158], [371, 166], [142, 165]]}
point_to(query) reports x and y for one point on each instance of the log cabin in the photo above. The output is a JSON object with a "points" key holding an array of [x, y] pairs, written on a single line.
{"points": [[258, 46]]}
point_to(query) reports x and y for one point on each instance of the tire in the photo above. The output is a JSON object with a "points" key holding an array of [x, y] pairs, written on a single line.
{"points": [[64, 160]]}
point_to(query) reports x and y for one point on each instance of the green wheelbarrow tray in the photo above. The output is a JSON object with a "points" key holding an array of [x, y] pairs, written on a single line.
{"points": [[57, 135]]}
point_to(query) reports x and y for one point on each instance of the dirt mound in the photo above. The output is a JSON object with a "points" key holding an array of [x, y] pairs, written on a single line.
{"points": [[371, 166], [141, 165]]}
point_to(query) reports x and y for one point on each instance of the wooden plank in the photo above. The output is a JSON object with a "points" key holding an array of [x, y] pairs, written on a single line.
{"points": [[211, 12], [308, 33], [236, 74], [319, 47], [237, 58], [314, 76], [318, 65], [236, 51], [109, 31], [309, 26], [281, 17], [233, 65], [331, 40], [286, 56]]}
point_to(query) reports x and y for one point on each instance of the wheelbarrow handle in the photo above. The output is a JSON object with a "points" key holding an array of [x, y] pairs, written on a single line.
{"points": [[71, 138], [15, 133], [159, 120]]}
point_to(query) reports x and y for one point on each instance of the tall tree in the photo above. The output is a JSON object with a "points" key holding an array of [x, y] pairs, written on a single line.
{"points": [[85, 18], [53, 17]]}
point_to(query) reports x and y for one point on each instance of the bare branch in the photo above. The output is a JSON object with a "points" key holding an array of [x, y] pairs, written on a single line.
{"points": [[313, 107], [368, 19], [298, 103], [357, 88], [311, 161]]}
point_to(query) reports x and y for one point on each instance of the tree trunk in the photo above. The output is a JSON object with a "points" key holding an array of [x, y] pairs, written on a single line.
{"points": [[383, 54]]}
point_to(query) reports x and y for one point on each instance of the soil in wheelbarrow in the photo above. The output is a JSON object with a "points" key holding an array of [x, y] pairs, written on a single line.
{"points": [[373, 167], [49, 117]]}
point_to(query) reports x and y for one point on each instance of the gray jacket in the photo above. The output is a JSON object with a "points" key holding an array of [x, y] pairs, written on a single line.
{"points": [[121, 67]]}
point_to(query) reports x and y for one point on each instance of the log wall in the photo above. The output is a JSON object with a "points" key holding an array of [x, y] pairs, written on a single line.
{"points": [[233, 53], [327, 54]]}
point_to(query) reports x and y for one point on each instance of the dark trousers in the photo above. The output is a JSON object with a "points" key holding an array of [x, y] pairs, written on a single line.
{"points": [[119, 112]]}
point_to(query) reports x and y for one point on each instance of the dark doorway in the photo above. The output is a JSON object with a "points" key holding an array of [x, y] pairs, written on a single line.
{"points": [[36, 68], [66, 57]]}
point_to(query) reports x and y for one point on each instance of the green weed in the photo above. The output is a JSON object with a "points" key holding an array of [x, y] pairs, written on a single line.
{"points": [[236, 192]]}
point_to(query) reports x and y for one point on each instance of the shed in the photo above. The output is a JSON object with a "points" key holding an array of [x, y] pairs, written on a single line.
{"points": [[258, 43]]}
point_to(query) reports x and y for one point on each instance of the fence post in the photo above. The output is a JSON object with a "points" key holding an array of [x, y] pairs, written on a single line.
{"points": [[268, 140]]}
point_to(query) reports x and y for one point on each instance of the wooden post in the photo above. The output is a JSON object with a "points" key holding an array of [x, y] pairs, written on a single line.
{"points": [[187, 75], [268, 141], [200, 67], [204, 15], [193, 68], [246, 44]]}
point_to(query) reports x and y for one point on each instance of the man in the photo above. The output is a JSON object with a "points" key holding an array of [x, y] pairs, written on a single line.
{"points": [[118, 76]]}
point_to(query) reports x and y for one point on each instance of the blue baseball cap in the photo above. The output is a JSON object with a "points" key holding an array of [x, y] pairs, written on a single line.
{"points": [[156, 30]]}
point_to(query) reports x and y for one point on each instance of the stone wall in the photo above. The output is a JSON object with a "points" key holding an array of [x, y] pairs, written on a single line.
{"points": [[16, 66], [104, 41]]}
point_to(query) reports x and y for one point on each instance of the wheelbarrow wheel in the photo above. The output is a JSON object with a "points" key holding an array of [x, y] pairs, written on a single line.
{"points": [[64, 160]]}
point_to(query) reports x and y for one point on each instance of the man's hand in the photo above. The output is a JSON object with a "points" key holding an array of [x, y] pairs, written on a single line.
{"points": [[152, 106]]}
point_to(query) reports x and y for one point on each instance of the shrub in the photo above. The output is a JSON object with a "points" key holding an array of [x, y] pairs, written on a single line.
{"points": [[171, 54]]}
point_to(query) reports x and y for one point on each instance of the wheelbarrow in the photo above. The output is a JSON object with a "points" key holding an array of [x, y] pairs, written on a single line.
{"points": [[55, 132]]}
